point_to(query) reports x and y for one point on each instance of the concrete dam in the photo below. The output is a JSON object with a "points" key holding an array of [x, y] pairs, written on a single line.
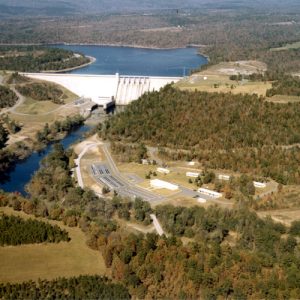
{"points": [[107, 89]]}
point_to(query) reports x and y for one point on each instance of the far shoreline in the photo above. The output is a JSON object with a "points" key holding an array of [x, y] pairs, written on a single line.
{"points": [[196, 46], [93, 59]]}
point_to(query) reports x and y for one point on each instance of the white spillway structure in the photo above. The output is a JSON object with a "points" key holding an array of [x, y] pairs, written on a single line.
{"points": [[103, 88]]}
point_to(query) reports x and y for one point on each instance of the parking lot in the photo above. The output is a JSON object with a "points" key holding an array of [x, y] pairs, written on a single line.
{"points": [[103, 174]]}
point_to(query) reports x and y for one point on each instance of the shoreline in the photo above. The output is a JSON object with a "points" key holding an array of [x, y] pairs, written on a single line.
{"points": [[122, 46], [105, 45], [195, 46], [91, 58]]}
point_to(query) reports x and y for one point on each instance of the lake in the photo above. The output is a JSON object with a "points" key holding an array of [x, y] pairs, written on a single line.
{"points": [[138, 61], [110, 60]]}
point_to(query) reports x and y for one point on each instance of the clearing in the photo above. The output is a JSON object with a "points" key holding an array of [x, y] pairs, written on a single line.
{"points": [[49, 261], [295, 45], [285, 216], [216, 79], [283, 99], [33, 114]]}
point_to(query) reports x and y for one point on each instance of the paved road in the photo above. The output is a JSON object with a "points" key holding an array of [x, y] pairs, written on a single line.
{"points": [[157, 225], [129, 189], [126, 188], [12, 109], [20, 101], [77, 161]]}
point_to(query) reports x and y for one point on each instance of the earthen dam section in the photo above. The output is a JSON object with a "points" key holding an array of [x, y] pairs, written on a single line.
{"points": [[103, 89]]}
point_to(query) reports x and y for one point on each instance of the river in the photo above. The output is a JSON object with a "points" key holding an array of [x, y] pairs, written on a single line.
{"points": [[109, 60]]}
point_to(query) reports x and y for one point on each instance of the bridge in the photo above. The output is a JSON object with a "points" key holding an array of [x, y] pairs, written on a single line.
{"points": [[106, 90]]}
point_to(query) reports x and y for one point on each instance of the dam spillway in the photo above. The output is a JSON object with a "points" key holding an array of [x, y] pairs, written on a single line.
{"points": [[101, 89]]}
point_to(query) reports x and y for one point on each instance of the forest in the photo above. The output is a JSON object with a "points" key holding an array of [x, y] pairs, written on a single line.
{"points": [[17, 231], [52, 132], [224, 250], [8, 97], [222, 34], [287, 85], [236, 132], [82, 287], [3, 136], [38, 58], [42, 91]]}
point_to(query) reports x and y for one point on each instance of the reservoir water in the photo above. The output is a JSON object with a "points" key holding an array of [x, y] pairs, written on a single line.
{"points": [[137, 61], [109, 60]]}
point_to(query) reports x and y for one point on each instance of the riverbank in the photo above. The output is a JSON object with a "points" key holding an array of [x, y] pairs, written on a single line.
{"points": [[19, 162]]}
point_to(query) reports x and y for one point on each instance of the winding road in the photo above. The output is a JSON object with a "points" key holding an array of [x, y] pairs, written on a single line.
{"points": [[77, 161], [20, 101]]}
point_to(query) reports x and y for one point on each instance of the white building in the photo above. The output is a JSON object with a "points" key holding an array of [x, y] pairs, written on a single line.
{"points": [[224, 177], [210, 193], [192, 174], [163, 170], [260, 185], [145, 162], [161, 184]]}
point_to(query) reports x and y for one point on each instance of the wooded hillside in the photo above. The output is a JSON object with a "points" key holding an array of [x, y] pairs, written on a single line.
{"points": [[7, 97], [239, 132], [38, 58]]}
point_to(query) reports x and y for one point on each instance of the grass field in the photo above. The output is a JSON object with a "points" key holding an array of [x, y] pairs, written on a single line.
{"points": [[176, 177], [33, 115], [216, 79], [295, 45], [35, 107], [285, 216], [283, 99], [222, 84], [49, 261]]}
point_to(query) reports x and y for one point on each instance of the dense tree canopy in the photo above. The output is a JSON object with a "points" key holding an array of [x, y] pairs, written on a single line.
{"points": [[188, 120], [82, 287], [3, 136], [42, 91], [238, 132], [7, 97], [286, 85], [37, 58], [208, 253], [16, 231]]}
